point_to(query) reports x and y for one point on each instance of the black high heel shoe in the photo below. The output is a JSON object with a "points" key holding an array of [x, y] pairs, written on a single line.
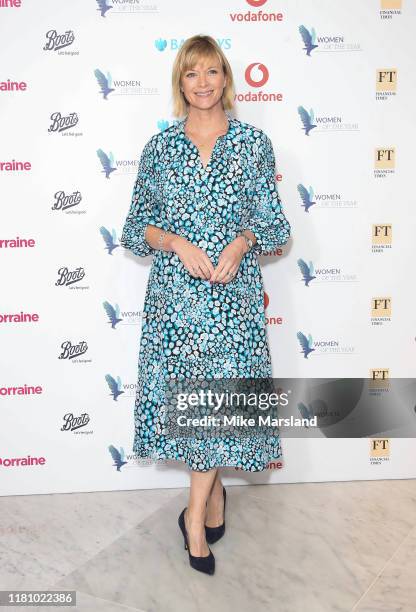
{"points": [[213, 534], [202, 564]]}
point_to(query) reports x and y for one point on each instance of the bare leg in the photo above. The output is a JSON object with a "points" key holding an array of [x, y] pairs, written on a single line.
{"points": [[201, 484], [215, 506]]}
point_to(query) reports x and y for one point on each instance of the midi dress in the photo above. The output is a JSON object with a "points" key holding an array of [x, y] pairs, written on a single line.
{"points": [[191, 328]]}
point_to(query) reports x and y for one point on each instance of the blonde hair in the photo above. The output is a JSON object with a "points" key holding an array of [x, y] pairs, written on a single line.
{"points": [[195, 48]]}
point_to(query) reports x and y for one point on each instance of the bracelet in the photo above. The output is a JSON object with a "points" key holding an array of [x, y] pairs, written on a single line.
{"points": [[160, 239]]}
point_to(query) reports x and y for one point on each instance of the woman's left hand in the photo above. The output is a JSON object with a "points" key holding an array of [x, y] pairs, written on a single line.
{"points": [[229, 261]]}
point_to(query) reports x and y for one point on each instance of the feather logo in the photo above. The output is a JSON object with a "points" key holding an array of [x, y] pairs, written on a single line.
{"points": [[103, 7], [307, 119], [105, 82], [114, 385], [118, 457], [113, 313], [107, 162], [307, 271], [306, 343], [306, 196], [109, 239], [309, 39]]}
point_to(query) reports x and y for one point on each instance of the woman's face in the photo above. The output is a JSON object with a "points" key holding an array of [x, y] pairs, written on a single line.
{"points": [[203, 84]]}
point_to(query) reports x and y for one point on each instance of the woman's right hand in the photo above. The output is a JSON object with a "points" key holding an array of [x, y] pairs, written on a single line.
{"points": [[195, 260]]}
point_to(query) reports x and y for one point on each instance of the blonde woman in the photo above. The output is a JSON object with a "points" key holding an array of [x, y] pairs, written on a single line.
{"points": [[205, 204]]}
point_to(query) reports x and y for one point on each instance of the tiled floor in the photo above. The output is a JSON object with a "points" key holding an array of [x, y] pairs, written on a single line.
{"points": [[342, 546]]}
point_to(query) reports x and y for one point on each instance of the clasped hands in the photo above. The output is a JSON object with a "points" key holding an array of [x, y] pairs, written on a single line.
{"points": [[199, 265]]}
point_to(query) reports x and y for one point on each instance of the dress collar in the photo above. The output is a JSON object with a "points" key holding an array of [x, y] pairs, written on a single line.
{"points": [[180, 125]]}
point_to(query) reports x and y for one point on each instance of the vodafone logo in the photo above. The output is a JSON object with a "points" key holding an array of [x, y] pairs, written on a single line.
{"points": [[253, 70], [256, 2], [256, 75], [266, 300]]}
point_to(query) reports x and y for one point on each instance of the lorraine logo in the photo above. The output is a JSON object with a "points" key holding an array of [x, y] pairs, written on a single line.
{"points": [[161, 44], [109, 239], [114, 385], [309, 39], [113, 314], [256, 82], [118, 457], [307, 271], [107, 162], [306, 196], [105, 82], [305, 343], [307, 119]]}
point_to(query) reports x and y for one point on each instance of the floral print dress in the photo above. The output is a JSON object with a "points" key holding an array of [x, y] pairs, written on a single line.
{"points": [[191, 328]]}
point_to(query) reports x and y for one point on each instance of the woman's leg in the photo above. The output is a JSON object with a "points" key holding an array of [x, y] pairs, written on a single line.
{"points": [[215, 506], [201, 485]]}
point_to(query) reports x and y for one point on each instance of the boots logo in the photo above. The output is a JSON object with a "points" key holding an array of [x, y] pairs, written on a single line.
{"points": [[107, 162], [326, 123], [118, 457], [109, 239], [73, 351], [63, 201], [72, 423], [67, 278], [114, 386], [56, 42], [256, 82], [309, 39], [105, 82], [306, 271], [61, 124]]}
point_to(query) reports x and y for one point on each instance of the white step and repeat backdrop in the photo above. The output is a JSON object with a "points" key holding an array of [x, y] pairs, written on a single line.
{"points": [[332, 84]]}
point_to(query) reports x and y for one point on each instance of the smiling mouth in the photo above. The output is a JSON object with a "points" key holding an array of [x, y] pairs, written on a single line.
{"points": [[204, 93]]}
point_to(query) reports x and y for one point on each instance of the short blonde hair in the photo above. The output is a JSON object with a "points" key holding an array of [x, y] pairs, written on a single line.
{"points": [[195, 48]]}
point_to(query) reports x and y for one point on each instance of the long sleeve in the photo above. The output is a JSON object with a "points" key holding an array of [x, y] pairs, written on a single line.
{"points": [[145, 206], [267, 220]]}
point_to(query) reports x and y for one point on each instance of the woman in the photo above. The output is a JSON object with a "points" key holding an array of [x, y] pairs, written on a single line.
{"points": [[205, 203]]}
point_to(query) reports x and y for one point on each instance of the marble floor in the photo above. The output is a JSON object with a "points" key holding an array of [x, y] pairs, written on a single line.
{"points": [[316, 547]]}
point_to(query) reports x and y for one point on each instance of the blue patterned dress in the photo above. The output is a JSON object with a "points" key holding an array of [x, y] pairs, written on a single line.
{"points": [[192, 328]]}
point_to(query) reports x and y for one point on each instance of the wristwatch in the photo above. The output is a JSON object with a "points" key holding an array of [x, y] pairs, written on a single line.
{"points": [[248, 240]]}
